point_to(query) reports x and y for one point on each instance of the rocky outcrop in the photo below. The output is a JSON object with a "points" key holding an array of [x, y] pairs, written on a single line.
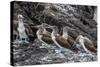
{"points": [[78, 17]]}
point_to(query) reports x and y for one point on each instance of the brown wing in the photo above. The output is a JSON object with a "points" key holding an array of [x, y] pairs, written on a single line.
{"points": [[89, 46], [47, 39], [47, 34], [70, 40], [28, 30], [15, 26], [62, 42]]}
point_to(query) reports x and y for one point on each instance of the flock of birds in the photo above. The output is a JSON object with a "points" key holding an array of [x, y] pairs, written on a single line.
{"points": [[63, 42]]}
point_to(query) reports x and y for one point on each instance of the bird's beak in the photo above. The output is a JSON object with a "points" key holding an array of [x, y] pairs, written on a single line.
{"points": [[50, 27], [45, 25], [37, 26]]}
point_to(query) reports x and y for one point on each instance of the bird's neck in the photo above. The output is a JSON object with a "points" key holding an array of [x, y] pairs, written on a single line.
{"points": [[54, 32], [78, 40], [40, 31], [20, 20], [81, 41], [44, 30], [65, 34]]}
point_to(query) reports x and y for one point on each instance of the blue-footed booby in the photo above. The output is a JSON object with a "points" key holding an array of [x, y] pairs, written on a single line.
{"points": [[61, 41], [21, 29], [86, 43], [43, 35], [67, 36], [69, 39]]}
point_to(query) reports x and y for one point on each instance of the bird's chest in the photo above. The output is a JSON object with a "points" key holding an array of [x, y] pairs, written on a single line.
{"points": [[65, 36], [81, 41], [53, 37], [83, 45], [21, 27], [39, 36]]}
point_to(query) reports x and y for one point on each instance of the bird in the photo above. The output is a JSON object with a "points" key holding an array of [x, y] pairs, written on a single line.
{"points": [[47, 33], [86, 44], [21, 29], [43, 35], [67, 36], [60, 40], [28, 30], [69, 39]]}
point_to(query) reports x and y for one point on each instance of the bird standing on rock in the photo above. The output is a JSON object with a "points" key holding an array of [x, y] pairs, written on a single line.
{"points": [[69, 39], [67, 36], [21, 29], [86, 43], [43, 35], [60, 41], [18, 27]]}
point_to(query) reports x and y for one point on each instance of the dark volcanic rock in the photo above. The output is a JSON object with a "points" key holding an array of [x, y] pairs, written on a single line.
{"points": [[78, 17]]}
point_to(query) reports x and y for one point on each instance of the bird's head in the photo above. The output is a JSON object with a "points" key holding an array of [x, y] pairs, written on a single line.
{"points": [[66, 28], [20, 16], [80, 36], [45, 25], [37, 26], [54, 29]]}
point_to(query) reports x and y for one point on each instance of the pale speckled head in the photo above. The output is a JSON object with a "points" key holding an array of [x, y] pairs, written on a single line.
{"points": [[66, 28], [81, 37], [54, 28], [45, 25], [20, 16]]}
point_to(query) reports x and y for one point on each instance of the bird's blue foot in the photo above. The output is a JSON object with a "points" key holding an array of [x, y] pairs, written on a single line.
{"points": [[61, 50], [21, 41], [44, 46], [59, 53]]}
